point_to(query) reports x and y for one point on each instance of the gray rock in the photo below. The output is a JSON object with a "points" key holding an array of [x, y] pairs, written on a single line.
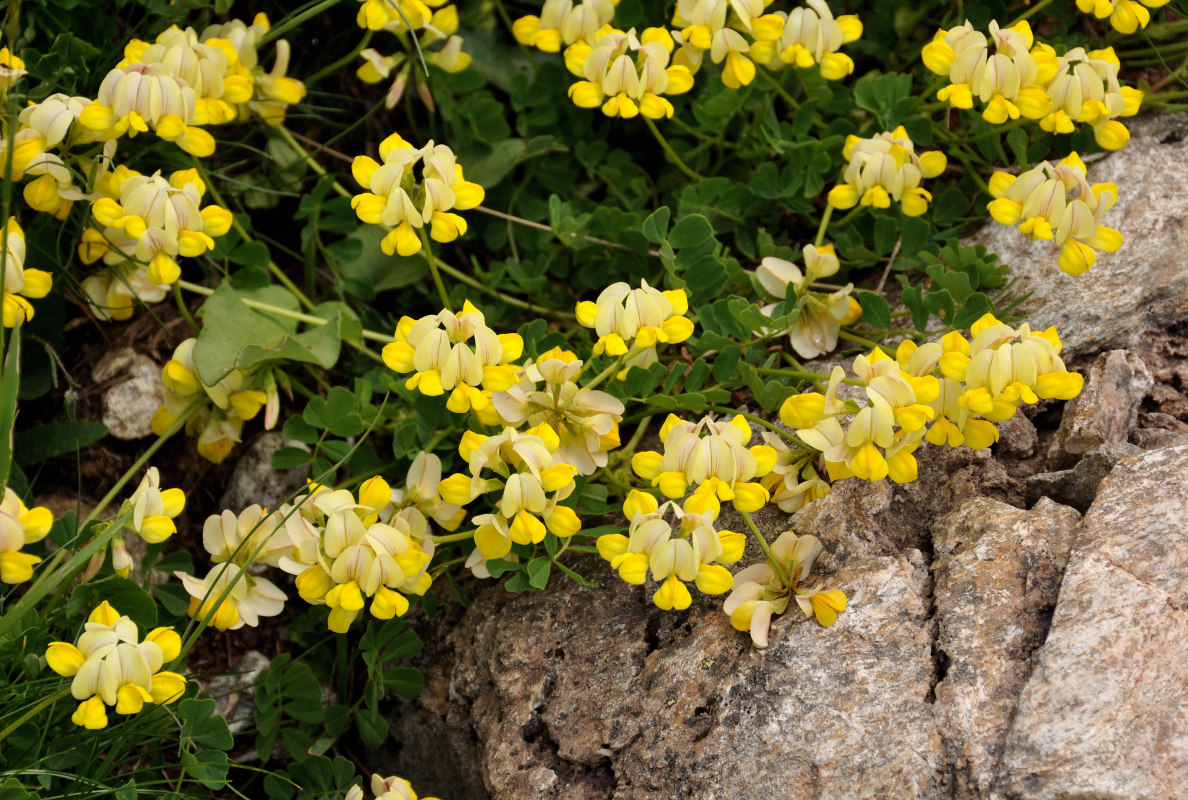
{"points": [[1106, 409], [1017, 437], [1157, 430], [254, 480], [1105, 712], [1078, 486], [1139, 289], [234, 693], [997, 572], [133, 394]]}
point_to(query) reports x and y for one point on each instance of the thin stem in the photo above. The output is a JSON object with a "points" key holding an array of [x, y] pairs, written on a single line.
{"points": [[185, 311], [342, 62], [780, 90], [473, 283], [775, 564], [633, 442], [856, 339], [1035, 9], [308, 158], [441, 290], [667, 148], [613, 368], [28, 715], [452, 537], [284, 27], [824, 224], [809, 376], [235, 223]]}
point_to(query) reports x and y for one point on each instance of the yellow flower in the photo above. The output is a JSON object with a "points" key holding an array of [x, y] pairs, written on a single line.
{"points": [[1086, 89], [20, 284], [806, 37], [814, 332], [247, 87], [395, 202], [1126, 16], [1009, 81], [153, 508], [1038, 202], [236, 537], [561, 23], [627, 75], [249, 597], [711, 456], [112, 667], [455, 353], [12, 69], [885, 168], [627, 319], [20, 526]]}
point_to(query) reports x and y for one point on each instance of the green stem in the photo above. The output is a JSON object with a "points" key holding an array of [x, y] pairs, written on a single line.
{"points": [[775, 564], [824, 224], [185, 311], [342, 62], [856, 339], [473, 283], [780, 90], [613, 368], [285, 26], [289, 314], [667, 148], [1035, 9], [309, 158], [428, 250], [28, 715], [452, 537], [235, 223], [797, 373]]}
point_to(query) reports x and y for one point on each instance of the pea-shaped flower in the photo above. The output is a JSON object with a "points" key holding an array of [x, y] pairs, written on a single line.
{"points": [[628, 319], [806, 37], [627, 75], [139, 97], [112, 667], [394, 200], [561, 23], [1086, 89], [20, 283], [1126, 16], [883, 168], [20, 526], [154, 508], [456, 353]]}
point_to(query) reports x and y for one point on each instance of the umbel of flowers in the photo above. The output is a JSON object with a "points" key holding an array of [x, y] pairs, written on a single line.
{"points": [[883, 168], [395, 201], [20, 284], [112, 667], [1056, 203], [627, 75], [814, 332], [20, 526]]}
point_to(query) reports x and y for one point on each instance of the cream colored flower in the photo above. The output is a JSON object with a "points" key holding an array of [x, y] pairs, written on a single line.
{"points": [[885, 168], [806, 37], [1086, 89], [561, 23], [20, 283], [20, 526], [627, 75]]}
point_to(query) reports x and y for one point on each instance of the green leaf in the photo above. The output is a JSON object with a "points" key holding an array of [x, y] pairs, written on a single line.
{"points": [[202, 727], [655, 227], [972, 310], [913, 298], [208, 767], [336, 413], [372, 727], [125, 596], [235, 336], [689, 231], [875, 310], [404, 681], [726, 363], [250, 254], [43, 442], [289, 457], [538, 572], [8, 402]]}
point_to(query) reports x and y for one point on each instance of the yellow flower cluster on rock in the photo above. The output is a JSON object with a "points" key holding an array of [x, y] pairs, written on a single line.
{"points": [[111, 666], [397, 203], [883, 168], [694, 552], [1057, 204]]}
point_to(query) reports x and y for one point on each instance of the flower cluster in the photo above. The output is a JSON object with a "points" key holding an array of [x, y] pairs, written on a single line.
{"points": [[233, 594], [391, 788], [455, 353], [527, 481], [238, 397], [1126, 16], [405, 19], [111, 666], [883, 168], [821, 315], [19, 526], [1086, 89], [627, 75], [345, 553], [712, 458], [20, 284], [951, 392], [1008, 82], [694, 552], [148, 222], [42, 127], [561, 24], [586, 421], [1057, 203], [184, 81], [764, 590], [632, 322], [806, 38], [397, 203]]}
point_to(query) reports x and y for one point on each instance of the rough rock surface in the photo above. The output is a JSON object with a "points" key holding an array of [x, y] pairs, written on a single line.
{"points": [[133, 392], [1106, 409], [255, 481], [1120, 310], [1105, 713], [1078, 486], [997, 572]]}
